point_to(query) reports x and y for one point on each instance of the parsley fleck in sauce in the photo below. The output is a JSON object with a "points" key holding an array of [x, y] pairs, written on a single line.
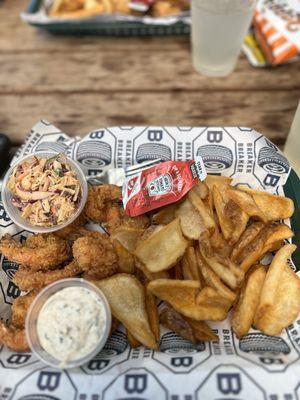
{"points": [[71, 323]]}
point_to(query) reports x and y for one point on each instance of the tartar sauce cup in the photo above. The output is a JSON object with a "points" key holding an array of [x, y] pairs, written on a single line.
{"points": [[15, 214], [31, 323]]}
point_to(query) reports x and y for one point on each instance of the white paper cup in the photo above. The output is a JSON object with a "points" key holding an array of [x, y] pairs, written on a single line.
{"points": [[15, 214]]}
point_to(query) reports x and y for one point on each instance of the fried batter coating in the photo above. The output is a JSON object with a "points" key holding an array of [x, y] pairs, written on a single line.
{"points": [[104, 205], [40, 252], [116, 218], [75, 227], [20, 307], [13, 337], [37, 280], [95, 255], [100, 199]]}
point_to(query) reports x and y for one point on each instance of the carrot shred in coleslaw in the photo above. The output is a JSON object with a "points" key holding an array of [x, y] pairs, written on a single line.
{"points": [[46, 190]]}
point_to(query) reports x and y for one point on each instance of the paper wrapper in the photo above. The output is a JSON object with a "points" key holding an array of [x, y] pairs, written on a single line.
{"points": [[255, 367], [277, 29]]}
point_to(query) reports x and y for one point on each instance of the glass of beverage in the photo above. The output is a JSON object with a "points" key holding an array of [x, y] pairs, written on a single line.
{"points": [[218, 30], [292, 145]]}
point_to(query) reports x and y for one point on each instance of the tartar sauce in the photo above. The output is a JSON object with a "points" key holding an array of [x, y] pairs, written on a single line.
{"points": [[71, 324]]}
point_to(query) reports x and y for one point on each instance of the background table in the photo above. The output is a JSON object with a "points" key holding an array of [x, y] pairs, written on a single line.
{"points": [[82, 83]]}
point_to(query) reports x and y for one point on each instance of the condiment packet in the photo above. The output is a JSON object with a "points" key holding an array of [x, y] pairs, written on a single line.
{"points": [[277, 29], [161, 184]]}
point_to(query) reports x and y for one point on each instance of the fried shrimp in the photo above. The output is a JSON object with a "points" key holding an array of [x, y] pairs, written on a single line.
{"points": [[117, 218], [100, 199], [20, 307], [37, 280], [74, 228], [13, 337], [104, 205], [95, 255], [40, 252]]}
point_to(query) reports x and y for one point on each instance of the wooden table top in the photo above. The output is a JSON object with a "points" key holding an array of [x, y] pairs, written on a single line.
{"points": [[83, 83]]}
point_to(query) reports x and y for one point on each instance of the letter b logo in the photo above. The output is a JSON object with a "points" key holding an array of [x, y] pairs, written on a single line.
{"points": [[48, 380], [214, 136], [155, 135], [181, 361], [135, 383], [229, 383]]}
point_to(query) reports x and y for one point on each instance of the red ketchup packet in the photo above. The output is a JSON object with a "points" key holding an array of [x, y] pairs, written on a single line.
{"points": [[161, 184]]}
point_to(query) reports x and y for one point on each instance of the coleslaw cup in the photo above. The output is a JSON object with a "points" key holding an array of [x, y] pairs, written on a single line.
{"points": [[32, 318], [15, 214]]}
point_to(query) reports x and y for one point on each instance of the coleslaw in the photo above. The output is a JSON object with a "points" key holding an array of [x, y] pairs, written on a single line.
{"points": [[45, 190]]}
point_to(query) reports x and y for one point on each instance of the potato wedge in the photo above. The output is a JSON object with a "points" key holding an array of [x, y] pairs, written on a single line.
{"points": [[201, 189], [126, 297], [166, 214], [163, 248], [150, 275], [232, 219], [192, 261], [273, 207], [153, 316], [245, 308], [249, 234], [126, 261], [212, 280], [219, 245], [189, 329], [279, 233], [133, 342], [191, 222], [246, 202], [279, 303], [209, 296], [203, 210], [127, 237], [202, 331], [185, 267], [174, 321], [181, 295], [262, 242], [227, 273], [218, 180]]}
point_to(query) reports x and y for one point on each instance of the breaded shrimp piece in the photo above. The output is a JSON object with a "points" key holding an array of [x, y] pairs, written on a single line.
{"points": [[20, 307], [40, 252], [117, 218], [72, 229], [94, 253], [14, 338], [37, 280], [100, 199]]}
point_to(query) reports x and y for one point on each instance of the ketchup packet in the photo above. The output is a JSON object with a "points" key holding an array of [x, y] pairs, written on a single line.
{"points": [[162, 184]]}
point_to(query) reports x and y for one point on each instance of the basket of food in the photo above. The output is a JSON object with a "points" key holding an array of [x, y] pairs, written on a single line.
{"points": [[110, 17], [189, 273]]}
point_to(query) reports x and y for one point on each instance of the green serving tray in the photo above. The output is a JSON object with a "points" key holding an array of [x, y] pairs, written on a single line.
{"points": [[292, 190], [106, 28]]}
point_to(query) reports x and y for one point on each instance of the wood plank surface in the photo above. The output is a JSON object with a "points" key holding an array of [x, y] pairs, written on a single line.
{"points": [[80, 83], [80, 114], [125, 70]]}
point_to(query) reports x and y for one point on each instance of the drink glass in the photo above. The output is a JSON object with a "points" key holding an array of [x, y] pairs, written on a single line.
{"points": [[292, 145], [218, 30]]}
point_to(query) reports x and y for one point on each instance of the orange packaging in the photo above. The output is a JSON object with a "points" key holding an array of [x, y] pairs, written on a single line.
{"points": [[277, 29]]}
